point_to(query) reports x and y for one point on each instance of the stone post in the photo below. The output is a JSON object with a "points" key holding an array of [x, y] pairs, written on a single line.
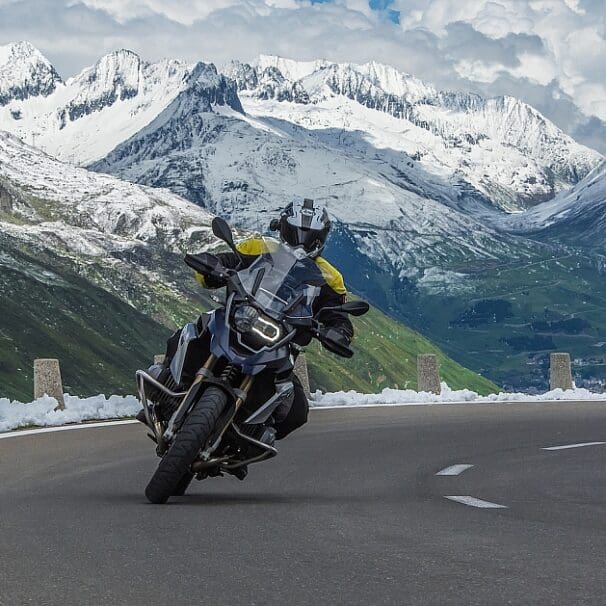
{"points": [[428, 374], [560, 371], [302, 374], [159, 359], [47, 380]]}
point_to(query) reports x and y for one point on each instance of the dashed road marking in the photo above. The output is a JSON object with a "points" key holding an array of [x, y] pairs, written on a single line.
{"points": [[454, 470], [473, 502], [566, 446]]}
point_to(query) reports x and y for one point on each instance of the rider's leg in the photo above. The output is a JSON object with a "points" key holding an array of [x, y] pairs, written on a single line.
{"points": [[297, 415]]}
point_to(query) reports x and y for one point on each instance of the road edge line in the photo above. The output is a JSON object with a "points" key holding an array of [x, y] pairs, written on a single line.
{"points": [[30, 432]]}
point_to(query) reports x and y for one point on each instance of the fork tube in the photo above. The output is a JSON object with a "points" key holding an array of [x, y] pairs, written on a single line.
{"points": [[210, 362], [245, 387], [203, 372]]}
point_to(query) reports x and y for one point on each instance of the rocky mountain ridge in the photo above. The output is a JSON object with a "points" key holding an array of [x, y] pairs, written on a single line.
{"points": [[84, 118], [25, 73], [467, 135]]}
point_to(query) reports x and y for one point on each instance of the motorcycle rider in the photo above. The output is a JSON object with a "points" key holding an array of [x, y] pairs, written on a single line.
{"points": [[303, 224]]}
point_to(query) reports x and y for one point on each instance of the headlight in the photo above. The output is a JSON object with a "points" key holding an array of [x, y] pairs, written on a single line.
{"points": [[244, 318], [267, 329], [248, 320]]}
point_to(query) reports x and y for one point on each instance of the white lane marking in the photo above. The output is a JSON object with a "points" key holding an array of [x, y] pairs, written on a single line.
{"points": [[473, 502], [454, 470], [31, 432], [566, 446]]}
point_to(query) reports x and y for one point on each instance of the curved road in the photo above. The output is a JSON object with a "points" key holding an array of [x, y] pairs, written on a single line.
{"points": [[350, 512]]}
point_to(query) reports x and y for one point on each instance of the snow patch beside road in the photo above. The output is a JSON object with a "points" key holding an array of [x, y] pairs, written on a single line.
{"points": [[42, 413], [400, 397]]}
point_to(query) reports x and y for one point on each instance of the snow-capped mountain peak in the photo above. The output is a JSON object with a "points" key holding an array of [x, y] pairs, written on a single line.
{"points": [[501, 148], [291, 69], [394, 82], [25, 72], [83, 119], [119, 67], [499, 151], [312, 74], [116, 76]]}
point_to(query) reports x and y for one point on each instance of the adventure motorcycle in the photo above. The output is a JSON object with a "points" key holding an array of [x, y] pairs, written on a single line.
{"points": [[210, 428]]}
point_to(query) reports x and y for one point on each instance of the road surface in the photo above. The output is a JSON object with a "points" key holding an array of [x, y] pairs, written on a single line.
{"points": [[352, 511]]}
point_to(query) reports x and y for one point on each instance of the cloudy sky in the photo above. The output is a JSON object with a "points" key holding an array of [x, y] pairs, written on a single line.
{"points": [[551, 53]]}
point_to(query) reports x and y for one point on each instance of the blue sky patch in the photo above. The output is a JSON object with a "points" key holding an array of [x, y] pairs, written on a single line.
{"points": [[381, 6]]}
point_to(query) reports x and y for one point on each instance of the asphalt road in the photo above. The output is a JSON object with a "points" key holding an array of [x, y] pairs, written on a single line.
{"points": [[350, 512]]}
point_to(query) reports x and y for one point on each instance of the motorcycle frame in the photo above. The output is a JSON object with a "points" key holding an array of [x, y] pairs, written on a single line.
{"points": [[223, 463]]}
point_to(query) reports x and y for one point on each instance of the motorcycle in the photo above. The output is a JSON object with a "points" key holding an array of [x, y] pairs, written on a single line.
{"points": [[210, 428]]}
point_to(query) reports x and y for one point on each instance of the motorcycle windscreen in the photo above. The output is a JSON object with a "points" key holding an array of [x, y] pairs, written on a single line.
{"points": [[282, 276]]}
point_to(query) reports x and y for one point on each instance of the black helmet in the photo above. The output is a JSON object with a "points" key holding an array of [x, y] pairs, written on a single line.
{"points": [[303, 223]]}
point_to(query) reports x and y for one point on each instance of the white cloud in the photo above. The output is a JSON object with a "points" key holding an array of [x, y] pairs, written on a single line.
{"points": [[571, 33], [551, 53], [185, 12]]}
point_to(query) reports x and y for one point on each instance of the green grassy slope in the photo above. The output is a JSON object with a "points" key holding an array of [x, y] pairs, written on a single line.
{"points": [[99, 339], [507, 316], [385, 356], [50, 309]]}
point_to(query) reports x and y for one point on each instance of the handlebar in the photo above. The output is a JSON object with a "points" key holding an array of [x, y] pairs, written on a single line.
{"points": [[210, 265]]}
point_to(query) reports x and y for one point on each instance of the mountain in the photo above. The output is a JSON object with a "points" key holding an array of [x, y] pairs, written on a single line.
{"points": [[576, 216], [499, 151], [91, 272], [84, 118], [502, 148], [25, 73], [418, 182]]}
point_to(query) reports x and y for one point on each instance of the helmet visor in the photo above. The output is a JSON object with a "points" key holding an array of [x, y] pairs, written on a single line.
{"points": [[309, 239]]}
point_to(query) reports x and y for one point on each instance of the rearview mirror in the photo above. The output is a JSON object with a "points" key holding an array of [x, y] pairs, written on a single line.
{"points": [[355, 308], [203, 263], [222, 231], [334, 341]]}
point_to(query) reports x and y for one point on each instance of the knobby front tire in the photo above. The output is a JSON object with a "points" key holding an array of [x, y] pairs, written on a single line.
{"points": [[176, 463], [183, 485]]}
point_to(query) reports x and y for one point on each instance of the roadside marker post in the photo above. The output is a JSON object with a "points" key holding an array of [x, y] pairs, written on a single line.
{"points": [[47, 380], [428, 374], [560, 371]]}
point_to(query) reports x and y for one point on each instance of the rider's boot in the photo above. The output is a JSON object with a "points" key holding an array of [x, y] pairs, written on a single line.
{"points": [[269, 436]]}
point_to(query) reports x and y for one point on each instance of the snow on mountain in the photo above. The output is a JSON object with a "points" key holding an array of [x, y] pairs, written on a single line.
{"points": [[413, 173], [83, 119], [498, 150], [24, 73], [84, 213], [246, 170], [577, 215], [501, 147]]}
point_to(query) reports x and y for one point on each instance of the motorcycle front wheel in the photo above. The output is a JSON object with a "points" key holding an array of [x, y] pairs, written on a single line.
{"points": [[196, 429]]}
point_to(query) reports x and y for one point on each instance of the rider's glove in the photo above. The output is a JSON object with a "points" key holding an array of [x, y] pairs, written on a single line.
{"points": [[340, 336]]}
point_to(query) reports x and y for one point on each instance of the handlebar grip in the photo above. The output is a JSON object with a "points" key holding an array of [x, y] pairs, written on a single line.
{"points": [[204, 263]]}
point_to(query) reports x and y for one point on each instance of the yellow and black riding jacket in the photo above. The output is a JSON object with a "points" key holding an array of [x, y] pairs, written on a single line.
{"points": [[332, 293]]}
